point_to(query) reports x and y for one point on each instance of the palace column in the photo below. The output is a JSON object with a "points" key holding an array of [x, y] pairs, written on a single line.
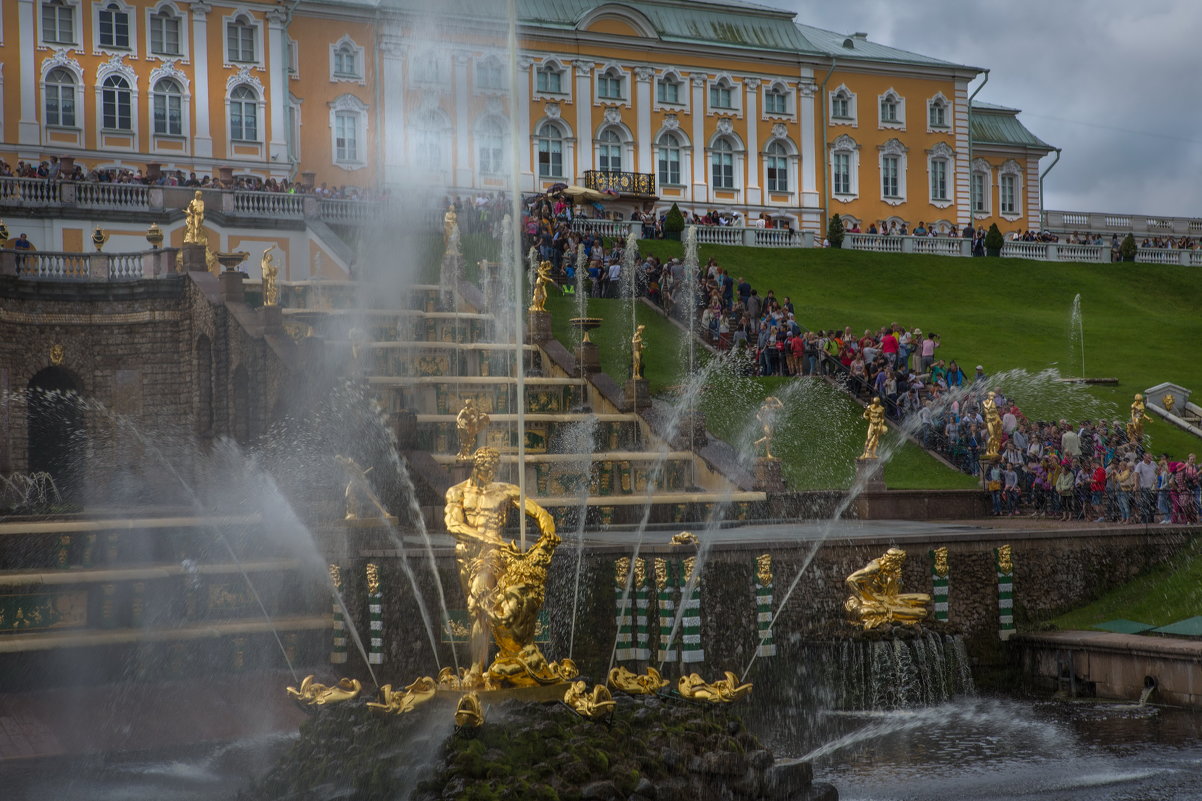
{"points": [[391, 119], [753, 196], [202, 139], [520, 112], [697, 109], [584, 119], [463, 151], [277, 85], [807, 145], [28, 130], [642, 111]]}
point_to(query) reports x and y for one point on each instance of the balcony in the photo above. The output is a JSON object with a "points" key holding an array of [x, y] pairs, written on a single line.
{"points": [[641, 184]]}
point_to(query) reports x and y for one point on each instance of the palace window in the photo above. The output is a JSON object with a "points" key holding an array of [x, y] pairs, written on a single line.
{"points": [[841, 105], [1006, 191], [981, 186], [937, 113], [938, 179], [609, 85], [722, 164], [889, 108], [114, 27], [60, 98], [841, 174], [240, 40], [164, 33], [669, 160], [845, 169], [776, 101], [550, 151], [244, 114], [346, 61], [168, 104], [346, 136], [889, 171], [667, 90], [776, 160], [58, 22], [115, 104], [490, 140], [609, 151], [549, 79], [720, 95]]}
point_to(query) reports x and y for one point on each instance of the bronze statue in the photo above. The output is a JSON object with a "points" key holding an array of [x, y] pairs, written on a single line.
{"points": [[636, 353], [504, 586], [541, 280], [1135, 428], [468, 424], [1168, 400], [194, 220], [875, 415], [767, 419], [876, 598], [271, 289], [993, 425]]}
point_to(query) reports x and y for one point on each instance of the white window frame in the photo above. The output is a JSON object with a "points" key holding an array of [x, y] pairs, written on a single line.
{"points": [[852, 117], [893, 150], [350, 107], [428, 67], [982, 168], [939, 101], [784, 90], [492, 66], [895, 99], [492, 146], [169, 70], [157, 96], [661, 147], [942, 154], [608, 74], [1011, 170], [738, 154], [787, 155], [551, 66], [724, 82], [539, 137], [347, 46], [682, 91], [73, 7], [131, 22], [76, 99], [181, 20], [116, 68], [244, 78], [241, 16], [845, 146]]}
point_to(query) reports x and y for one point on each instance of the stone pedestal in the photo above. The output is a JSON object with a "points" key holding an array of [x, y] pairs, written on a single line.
{"points": [[768, 477], [404, 426], [588, 357], [194, 258], [538, 327], [232, 290], [870, 475], [635, 395]]}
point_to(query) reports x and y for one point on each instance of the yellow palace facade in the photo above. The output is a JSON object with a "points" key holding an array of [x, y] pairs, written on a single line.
{"points": [[714, 105]]}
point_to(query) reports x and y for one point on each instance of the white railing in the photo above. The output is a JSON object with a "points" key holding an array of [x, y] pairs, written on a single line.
{"points": [[112, 196], [615, 229], [28, 191], [1107, 223], [874, 242], [52, 265], [719, 235], [269, 204], [777, 238], [1195, 258], [941, 246], [1094, 254], [125, 266], [349, 211], [1188, 258], [1026, 250]]}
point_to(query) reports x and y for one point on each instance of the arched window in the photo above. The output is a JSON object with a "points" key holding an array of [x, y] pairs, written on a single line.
{"points": [[721, 94], [845, 168], [776, 160], [490, 139], [244, 114], [240, 40], [114, 27], [722, 164], [168, 100], [60, 98], [164, 33], [937, 113], [609, 85], [115, 104], [889, 108], [550, 151], [776, 101], [609, 151], [667, 90], [669, 160], [841, 105], [346, 61], [549, 79], [432, 130]]}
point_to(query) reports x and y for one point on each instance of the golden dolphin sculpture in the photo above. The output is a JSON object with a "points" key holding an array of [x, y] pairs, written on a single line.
{"points": [[312, 693], [633, 684], [722, 691], [595, 705]]}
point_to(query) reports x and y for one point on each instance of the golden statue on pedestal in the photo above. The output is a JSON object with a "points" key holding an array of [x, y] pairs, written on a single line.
{"points": [[505, 587], [271, 288], [722, 691], [450, 225], [766, 416], [1168, 401], [541, 280], [194, 220], [1135, 428], [468, 424], [876, 596], [993, 425], [875, 415], [636, 353]]}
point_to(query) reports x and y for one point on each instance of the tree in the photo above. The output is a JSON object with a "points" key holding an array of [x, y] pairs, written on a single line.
{"points": [[835, 231], [673, 223], [994, 241], [1127, 248]]}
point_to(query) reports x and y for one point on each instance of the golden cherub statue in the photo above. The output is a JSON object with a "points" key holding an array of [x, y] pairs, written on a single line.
{"points": [[766, 416], [633, 684], [541, 280], [450, 225], [194, 220], [722, 691], [636, 353], [311, 693], [1168, 401], [468, 424], [1135, 428], [597, 705], [271, 288], [993, 426], [684, 538], [505, 587], [876, 598], [875, 415]]}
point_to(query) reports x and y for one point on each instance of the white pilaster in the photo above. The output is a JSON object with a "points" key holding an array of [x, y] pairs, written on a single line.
{"points": [[808, 145], [277, 85], [392, 116], [202, 142], [643, 76], [963, 177], [463, 152], [27, 126], [521, 112], [584, 120], [751, 118], [700, 187]]}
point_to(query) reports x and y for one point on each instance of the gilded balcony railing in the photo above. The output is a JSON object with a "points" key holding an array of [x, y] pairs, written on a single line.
{"points": [[624, 183]]}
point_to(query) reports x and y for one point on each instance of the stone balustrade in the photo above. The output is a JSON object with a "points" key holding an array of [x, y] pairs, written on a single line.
{"points": [[1140, 225], [53, 265]]}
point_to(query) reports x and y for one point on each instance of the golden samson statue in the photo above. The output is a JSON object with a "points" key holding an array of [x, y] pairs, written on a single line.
{"points": [[876, 597], [505, 586]]}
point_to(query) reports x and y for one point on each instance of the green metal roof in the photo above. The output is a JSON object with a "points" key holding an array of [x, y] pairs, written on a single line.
{"points": [[831, 43], [999, 125]]}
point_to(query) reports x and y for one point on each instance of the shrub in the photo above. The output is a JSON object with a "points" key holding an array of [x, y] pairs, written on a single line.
{"points": [[835, 231]]}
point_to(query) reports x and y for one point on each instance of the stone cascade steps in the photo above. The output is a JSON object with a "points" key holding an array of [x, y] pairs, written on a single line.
{"points": [[596, 474], [494, 395], [437, 433]]}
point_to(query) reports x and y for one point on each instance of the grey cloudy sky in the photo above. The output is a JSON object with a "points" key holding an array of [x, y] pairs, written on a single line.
{"points": [[1112, 82]]}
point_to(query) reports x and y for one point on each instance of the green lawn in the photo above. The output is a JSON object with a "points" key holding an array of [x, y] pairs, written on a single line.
{"points": [[1160, 597]]}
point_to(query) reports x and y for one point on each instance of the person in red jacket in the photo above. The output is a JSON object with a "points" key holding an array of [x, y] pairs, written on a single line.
{"points": [[1097, 488]]}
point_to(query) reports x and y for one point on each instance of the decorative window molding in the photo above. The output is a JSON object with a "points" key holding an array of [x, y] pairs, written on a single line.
{"points": [[673, 155], [726, 155], [671, 92], [61, 82], [724, 96], [892, 165], [245, 106], [348, 132], [941, 172], [428, 67], [778, 101], [780, 158], [939, 114], [611, 85], [432, 140], [114, 28], [552, 149], [346, 61], [491, 77], [166, 32], [242, 40], [891, 111], [981, 188], [845, 169], [1010, 191], [116, 96], [492, 145], [843, 110], [59, 23], [551, 81]]}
